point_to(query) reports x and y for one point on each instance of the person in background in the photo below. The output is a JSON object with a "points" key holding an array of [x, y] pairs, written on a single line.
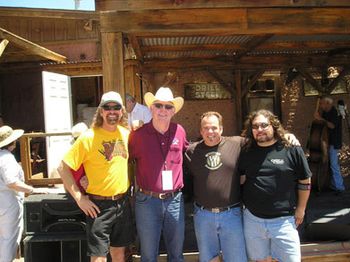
{"points": [[103, 152], [12, 189], [216, 183], [137, 114], [328, 113], [276, 189], [158, 148]]}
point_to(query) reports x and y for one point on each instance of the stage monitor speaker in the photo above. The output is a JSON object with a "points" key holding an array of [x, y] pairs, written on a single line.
{"points": [[55, 248], [45, 214]]}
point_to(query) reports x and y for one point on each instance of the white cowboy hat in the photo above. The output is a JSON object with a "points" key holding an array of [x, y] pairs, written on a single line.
{"points": [[164, 94], [111, 97], [78, 129], [8, 135]]}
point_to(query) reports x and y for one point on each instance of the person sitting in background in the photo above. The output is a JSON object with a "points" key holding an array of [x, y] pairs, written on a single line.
{"points": [[12, 189], [137, 114]]}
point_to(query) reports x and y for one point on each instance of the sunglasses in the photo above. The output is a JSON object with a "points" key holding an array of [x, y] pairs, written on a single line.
{"points": [[110, 108], [263, 126], [167, 107]]}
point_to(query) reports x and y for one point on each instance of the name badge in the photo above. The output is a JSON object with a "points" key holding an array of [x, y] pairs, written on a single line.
{"points": [[167, 180]]}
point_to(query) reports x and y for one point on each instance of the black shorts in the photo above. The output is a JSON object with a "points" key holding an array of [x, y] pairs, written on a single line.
{"points": [[113, 227]]}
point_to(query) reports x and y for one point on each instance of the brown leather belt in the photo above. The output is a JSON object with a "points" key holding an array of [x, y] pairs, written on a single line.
{"points": [[97, 197], [217, 209], [159, 195]]}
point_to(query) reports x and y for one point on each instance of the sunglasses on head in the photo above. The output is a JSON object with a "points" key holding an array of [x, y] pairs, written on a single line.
{"points": [[260, 125], [110, 108], [167, 107]]}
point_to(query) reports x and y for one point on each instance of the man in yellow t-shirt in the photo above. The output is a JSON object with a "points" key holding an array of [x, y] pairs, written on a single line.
{"points": [[103, 152]]}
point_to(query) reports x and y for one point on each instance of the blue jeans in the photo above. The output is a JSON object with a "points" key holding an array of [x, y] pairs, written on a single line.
{"points": [[337, 179], [276, 237], [217, 232], [154, 216]]}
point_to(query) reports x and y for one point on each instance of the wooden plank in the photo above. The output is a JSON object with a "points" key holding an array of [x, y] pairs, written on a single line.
{"points": [[254, 79], [238, 100], [31, 47], [3, 45], [136, 45], [190, 47], [113, 62], [231, 20], [124, 5], [304, 72], [48, 13], [251, 45], [217, 77]]}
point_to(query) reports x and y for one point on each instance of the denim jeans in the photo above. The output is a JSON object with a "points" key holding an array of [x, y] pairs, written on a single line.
{"points": [[154, 216], [276, 237], [336, 179], [217, 232]]}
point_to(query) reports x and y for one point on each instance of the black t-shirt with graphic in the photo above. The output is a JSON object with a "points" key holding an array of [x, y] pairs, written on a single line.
{"points": [[214, 170], [272, 174]]}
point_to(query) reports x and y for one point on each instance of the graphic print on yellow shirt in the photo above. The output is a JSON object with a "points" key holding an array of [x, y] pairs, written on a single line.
{"points": [[104, 155], [113, 148]]}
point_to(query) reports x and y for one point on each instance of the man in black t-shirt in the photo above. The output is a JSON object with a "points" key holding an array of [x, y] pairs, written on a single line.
{"points": [[333, 121], [216, 183], [276, 188]]}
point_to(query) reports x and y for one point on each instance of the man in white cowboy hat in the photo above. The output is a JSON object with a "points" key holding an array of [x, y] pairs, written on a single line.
{"points": [[158, 148], [103, 152], [12, 189]]}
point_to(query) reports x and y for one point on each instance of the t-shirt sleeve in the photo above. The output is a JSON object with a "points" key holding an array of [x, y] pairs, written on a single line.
{"points": [[75, 157], [240, 166], [302, 167]]}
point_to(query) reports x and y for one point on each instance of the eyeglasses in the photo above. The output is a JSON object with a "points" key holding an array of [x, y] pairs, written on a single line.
{"points": [[263, 126], [167, 107], [110, 108]]}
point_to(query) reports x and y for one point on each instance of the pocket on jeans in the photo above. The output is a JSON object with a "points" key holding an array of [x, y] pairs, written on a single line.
{"points": [[142, 198]]}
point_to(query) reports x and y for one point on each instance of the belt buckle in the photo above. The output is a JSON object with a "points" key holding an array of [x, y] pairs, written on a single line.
{"points": [[215, 210], [162, 195]]}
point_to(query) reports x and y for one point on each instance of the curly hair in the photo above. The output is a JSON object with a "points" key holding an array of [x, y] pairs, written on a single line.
{"points": [[97, 120], [279, 131]]}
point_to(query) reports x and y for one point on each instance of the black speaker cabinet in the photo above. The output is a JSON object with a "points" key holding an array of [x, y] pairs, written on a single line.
{"points": [[55, 248], [46, 214]]}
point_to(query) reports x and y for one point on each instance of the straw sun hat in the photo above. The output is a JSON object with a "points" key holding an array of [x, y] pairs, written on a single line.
{"points": [[8, 135], [164, 94]]}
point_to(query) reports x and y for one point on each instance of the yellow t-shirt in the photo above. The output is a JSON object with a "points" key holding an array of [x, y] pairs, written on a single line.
{"points": [[104, 155]]}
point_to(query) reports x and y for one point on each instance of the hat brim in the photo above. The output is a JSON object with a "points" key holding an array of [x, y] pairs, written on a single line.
{"points": [[17, 133], [178, 102]]}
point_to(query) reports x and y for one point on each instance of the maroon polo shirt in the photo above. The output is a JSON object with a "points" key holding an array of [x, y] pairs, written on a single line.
{"points": [[155, 152]]}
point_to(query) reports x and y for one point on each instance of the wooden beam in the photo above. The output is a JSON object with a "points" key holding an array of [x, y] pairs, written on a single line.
{"points": [[251, 45], [231, 20], [190, 47], [217, 77], [31, 47], [255, 78], [113, 62], [332, 85], [48, 13], [3, 45], [125, 5], [238, 100], [136, 45], [308, 77]]}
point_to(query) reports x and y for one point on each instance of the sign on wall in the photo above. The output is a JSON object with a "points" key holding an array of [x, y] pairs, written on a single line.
{"points": [[205, 91]]}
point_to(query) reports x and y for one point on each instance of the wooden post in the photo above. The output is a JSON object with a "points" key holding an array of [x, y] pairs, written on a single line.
{"points": [[113, 62], [238, 99], [132, 81]]}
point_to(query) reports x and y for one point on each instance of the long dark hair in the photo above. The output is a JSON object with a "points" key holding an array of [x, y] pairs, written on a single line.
{"points": [[279, 131]]}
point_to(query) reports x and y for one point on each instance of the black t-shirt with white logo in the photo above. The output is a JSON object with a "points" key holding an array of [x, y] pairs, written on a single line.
{"points": [[272, 174], [214, 170]]}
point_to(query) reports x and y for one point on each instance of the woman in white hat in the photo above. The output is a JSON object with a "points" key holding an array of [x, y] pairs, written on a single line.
{"points": [[12, 189]]}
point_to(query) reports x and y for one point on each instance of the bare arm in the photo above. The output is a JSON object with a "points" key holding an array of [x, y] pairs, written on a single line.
{"points": [[83, 201], [23, 187], [303, 196]]}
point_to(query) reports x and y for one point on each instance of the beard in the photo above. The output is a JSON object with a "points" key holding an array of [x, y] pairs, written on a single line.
{"points": [[113, 119], [264, 137]]}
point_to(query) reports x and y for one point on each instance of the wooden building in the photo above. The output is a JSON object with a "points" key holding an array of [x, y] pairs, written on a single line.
{"points": [[227, 56]]}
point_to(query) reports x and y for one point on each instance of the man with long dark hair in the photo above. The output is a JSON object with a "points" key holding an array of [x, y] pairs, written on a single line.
{"points": [[276, 189]]}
